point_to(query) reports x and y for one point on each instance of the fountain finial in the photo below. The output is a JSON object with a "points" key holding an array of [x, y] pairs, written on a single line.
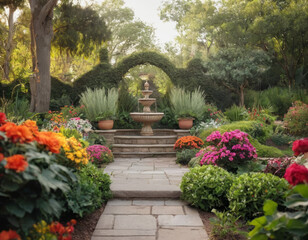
{"points": [[146, 85]]}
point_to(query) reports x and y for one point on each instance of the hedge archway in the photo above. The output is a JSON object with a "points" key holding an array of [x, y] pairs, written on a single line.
{"points": [[142, 58]]}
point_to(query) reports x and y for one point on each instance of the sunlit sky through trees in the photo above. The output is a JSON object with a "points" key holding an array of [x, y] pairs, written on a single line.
{"points": [[148, 11]]}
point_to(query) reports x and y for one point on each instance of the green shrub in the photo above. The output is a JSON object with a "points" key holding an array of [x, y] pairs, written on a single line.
{"points": [[289, 225], [261, 131], [184, 156], [281, 139], [280, 99], [266, 151], [125, 121], [17, 110], [296, 119], [206, 187], [88, 194], [95, 138], [249, 191], [236, 113]]}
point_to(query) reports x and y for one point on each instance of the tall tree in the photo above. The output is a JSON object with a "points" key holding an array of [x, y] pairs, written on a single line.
{"points": [[41, 36], [12, 6], [189, 15], [128, 34], [78, 34], [237, 68]]}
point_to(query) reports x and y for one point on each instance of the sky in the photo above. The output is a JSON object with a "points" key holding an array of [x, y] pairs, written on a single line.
{"points": [[148, 11]]}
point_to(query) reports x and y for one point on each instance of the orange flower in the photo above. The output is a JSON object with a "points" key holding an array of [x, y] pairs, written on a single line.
{"points": [[9, 235], [21, 134], [51, 140], [16, 162], [32, 126]]}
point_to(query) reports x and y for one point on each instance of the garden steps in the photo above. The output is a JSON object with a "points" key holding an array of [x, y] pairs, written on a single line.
{"points": [[146, 204], [145, 139], [144, 146]]}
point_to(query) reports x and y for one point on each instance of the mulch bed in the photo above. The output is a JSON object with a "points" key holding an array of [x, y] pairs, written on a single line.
{"points": [[85, 226]]}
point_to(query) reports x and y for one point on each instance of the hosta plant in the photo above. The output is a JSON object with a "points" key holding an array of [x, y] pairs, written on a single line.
{"points": [[290, 224]]}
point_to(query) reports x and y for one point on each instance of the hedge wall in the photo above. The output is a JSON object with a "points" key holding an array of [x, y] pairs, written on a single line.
{"points": [[105, 75]]}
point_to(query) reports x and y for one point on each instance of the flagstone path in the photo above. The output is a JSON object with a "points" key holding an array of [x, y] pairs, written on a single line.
{"points": [[146, 203]]}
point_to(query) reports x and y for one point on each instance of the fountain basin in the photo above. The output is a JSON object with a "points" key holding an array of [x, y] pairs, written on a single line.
{"points": [[147, 118]]}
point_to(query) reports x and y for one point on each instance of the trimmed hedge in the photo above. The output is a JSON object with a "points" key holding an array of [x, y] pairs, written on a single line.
{"points": [[245, 126], [105, 75]]}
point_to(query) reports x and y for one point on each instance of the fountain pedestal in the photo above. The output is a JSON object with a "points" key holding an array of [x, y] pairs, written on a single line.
{"points": [[147, 117]]}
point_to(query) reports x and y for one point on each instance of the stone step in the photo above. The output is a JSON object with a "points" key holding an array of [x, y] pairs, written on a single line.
{"points": [[145, 139], [143, 154], [145, 191], [148, 148]]}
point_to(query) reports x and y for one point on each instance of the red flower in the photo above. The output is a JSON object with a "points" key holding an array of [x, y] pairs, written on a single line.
{"points": [[9, 235], [2, 118], [16, 162], [296, 174], [21, 134], [1, 157], [300, 146]]}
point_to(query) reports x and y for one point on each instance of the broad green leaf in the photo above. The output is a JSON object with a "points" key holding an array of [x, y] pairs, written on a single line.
{"points": [[302, 189], [14, 209], [270, 207], [26, 204]]}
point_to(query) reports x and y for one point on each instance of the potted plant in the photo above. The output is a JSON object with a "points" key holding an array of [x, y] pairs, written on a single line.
{"points": [[187, 106], [100, 106]]}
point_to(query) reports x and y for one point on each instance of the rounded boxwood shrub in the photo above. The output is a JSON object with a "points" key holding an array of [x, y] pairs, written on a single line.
{"points": [[249, 191], [206, 187]]}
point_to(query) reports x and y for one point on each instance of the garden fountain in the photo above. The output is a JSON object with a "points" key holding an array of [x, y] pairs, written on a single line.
{"points": [[147, 118]]}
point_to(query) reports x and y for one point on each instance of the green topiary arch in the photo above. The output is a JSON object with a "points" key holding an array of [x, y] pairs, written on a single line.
{"points": [[142, 58]]}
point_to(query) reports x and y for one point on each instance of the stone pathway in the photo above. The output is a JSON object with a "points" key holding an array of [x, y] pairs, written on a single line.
{"points": [[147, 205]]}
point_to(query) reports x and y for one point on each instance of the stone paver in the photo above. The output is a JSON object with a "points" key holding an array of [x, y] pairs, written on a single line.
{"points": [[146, 204]]}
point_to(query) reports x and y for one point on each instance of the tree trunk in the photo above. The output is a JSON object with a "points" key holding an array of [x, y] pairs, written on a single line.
{"points": [[242, 98], [9, 44], [41, 36]]}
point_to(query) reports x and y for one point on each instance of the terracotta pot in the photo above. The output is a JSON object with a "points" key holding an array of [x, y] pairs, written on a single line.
{"points": [[105, 124], [186, 123]]}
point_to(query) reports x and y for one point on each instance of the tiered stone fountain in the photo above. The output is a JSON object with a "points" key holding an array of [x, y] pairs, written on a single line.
{"points": [[146, 117]]}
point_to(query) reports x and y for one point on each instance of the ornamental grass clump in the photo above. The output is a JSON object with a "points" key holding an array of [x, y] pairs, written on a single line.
{"points": [[99, 154], [99, 103], [188, 142], [187, 104], [229, 151]]}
